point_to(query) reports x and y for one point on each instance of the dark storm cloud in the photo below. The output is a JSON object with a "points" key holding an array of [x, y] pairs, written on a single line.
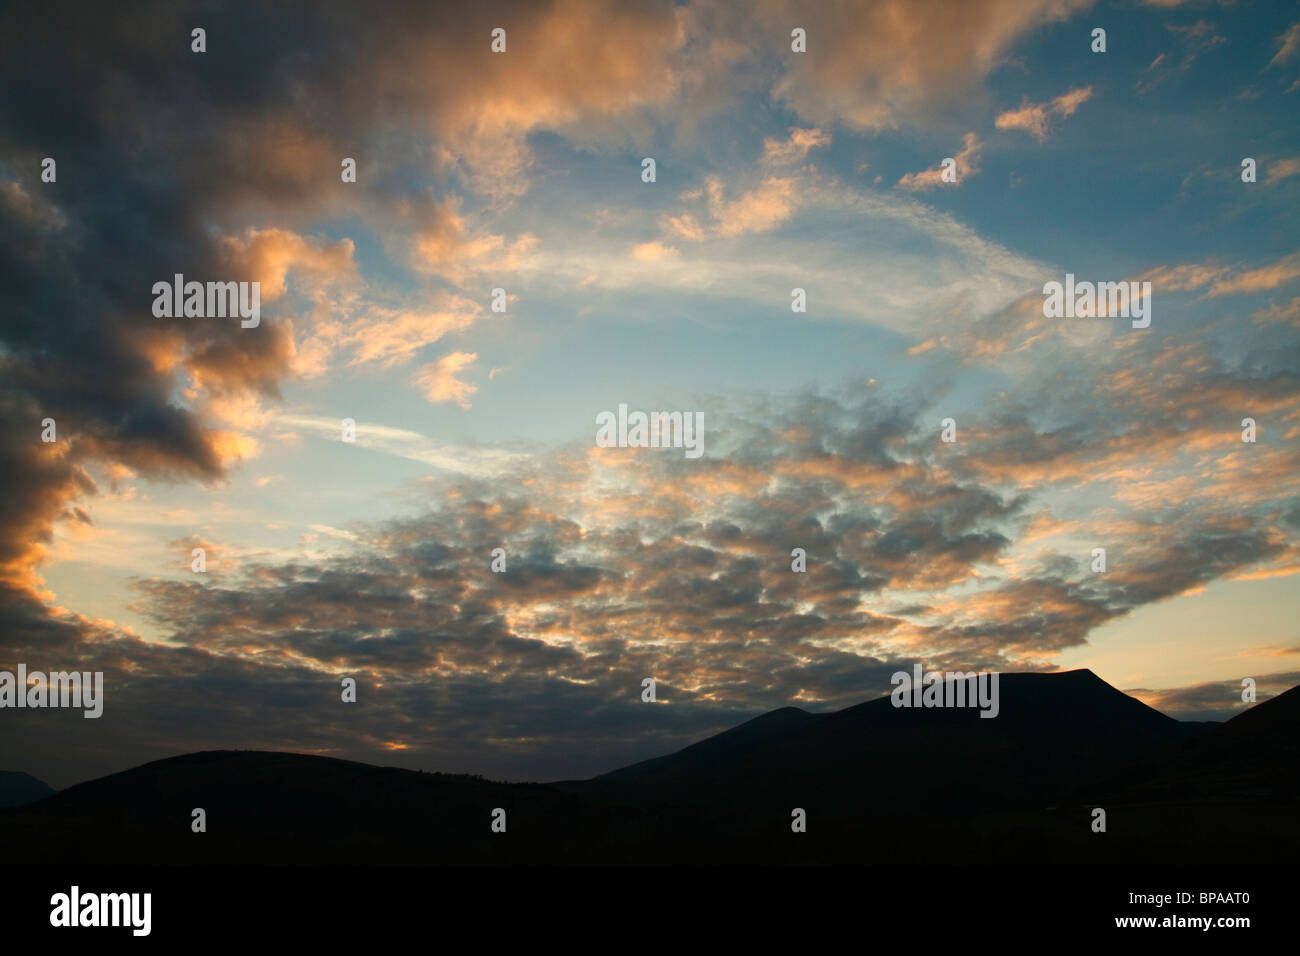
{"points": [[164, 154], [109, 94]]}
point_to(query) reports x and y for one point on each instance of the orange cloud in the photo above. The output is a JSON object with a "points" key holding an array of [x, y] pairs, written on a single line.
{"points": [[443, 243], [1288, 45], [779, 152], [1282, 169], [570, 65], [439, 383], [1181, 278], [966, 163], [651, 251], [873, 66], [392, 336], [1033, 117], [761, 209], [267, 256], [1259, 280]]}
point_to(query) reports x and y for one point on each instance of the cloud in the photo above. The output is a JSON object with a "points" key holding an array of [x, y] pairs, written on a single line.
{"points": [[622, 564], [1033, 117], [1259, 280], [267, 256], [877, 66], [261, 155], [966, 162], [477, 461], [570, 66], [1282, 168], [19, 203], [259, 173], [439, 240], [1286, 313], [1288, 44], [652, 251], [779, 152], [1197, 38], [1181, 278], [761, 209], [1223, 280], [878, 277], [1214, 700], [439, 383], [393, 336]]}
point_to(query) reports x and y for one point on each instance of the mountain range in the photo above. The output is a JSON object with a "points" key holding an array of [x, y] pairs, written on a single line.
{"points": [[877, 784]]}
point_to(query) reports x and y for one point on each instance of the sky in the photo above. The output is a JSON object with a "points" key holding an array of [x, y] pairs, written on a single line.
{"points": [[523, 170]]}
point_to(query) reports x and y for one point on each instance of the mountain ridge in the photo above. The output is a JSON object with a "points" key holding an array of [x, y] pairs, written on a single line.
{"points": [[869, 777], [18, 789]]}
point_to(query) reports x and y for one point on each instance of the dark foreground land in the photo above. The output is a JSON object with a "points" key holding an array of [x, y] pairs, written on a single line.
{"points": [[880, 786]]}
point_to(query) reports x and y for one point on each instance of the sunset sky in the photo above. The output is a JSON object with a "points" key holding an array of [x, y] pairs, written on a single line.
{"points": [[476, 430]]}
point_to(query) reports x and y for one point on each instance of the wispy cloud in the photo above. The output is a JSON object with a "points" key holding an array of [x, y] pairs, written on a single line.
{"points": [[477, 461], [965, 164], [1033, 117]]}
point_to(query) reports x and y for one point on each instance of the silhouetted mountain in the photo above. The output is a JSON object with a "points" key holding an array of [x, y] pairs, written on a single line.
{"points": [[1254, 756], [735, 745], [877, 783], [1237, 785], [283, 808], [1053, 732], [18, 789]]}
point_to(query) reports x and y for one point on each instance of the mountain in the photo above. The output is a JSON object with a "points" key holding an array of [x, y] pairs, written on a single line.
{"points": [[281, 808], [17, 789], [878, 784], [1254, 756], [1053, 732], [1238, 784]]}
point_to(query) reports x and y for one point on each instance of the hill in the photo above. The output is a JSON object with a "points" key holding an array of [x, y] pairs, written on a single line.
{"points": [[878, 784], [18, 789], [1053, 732]]}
